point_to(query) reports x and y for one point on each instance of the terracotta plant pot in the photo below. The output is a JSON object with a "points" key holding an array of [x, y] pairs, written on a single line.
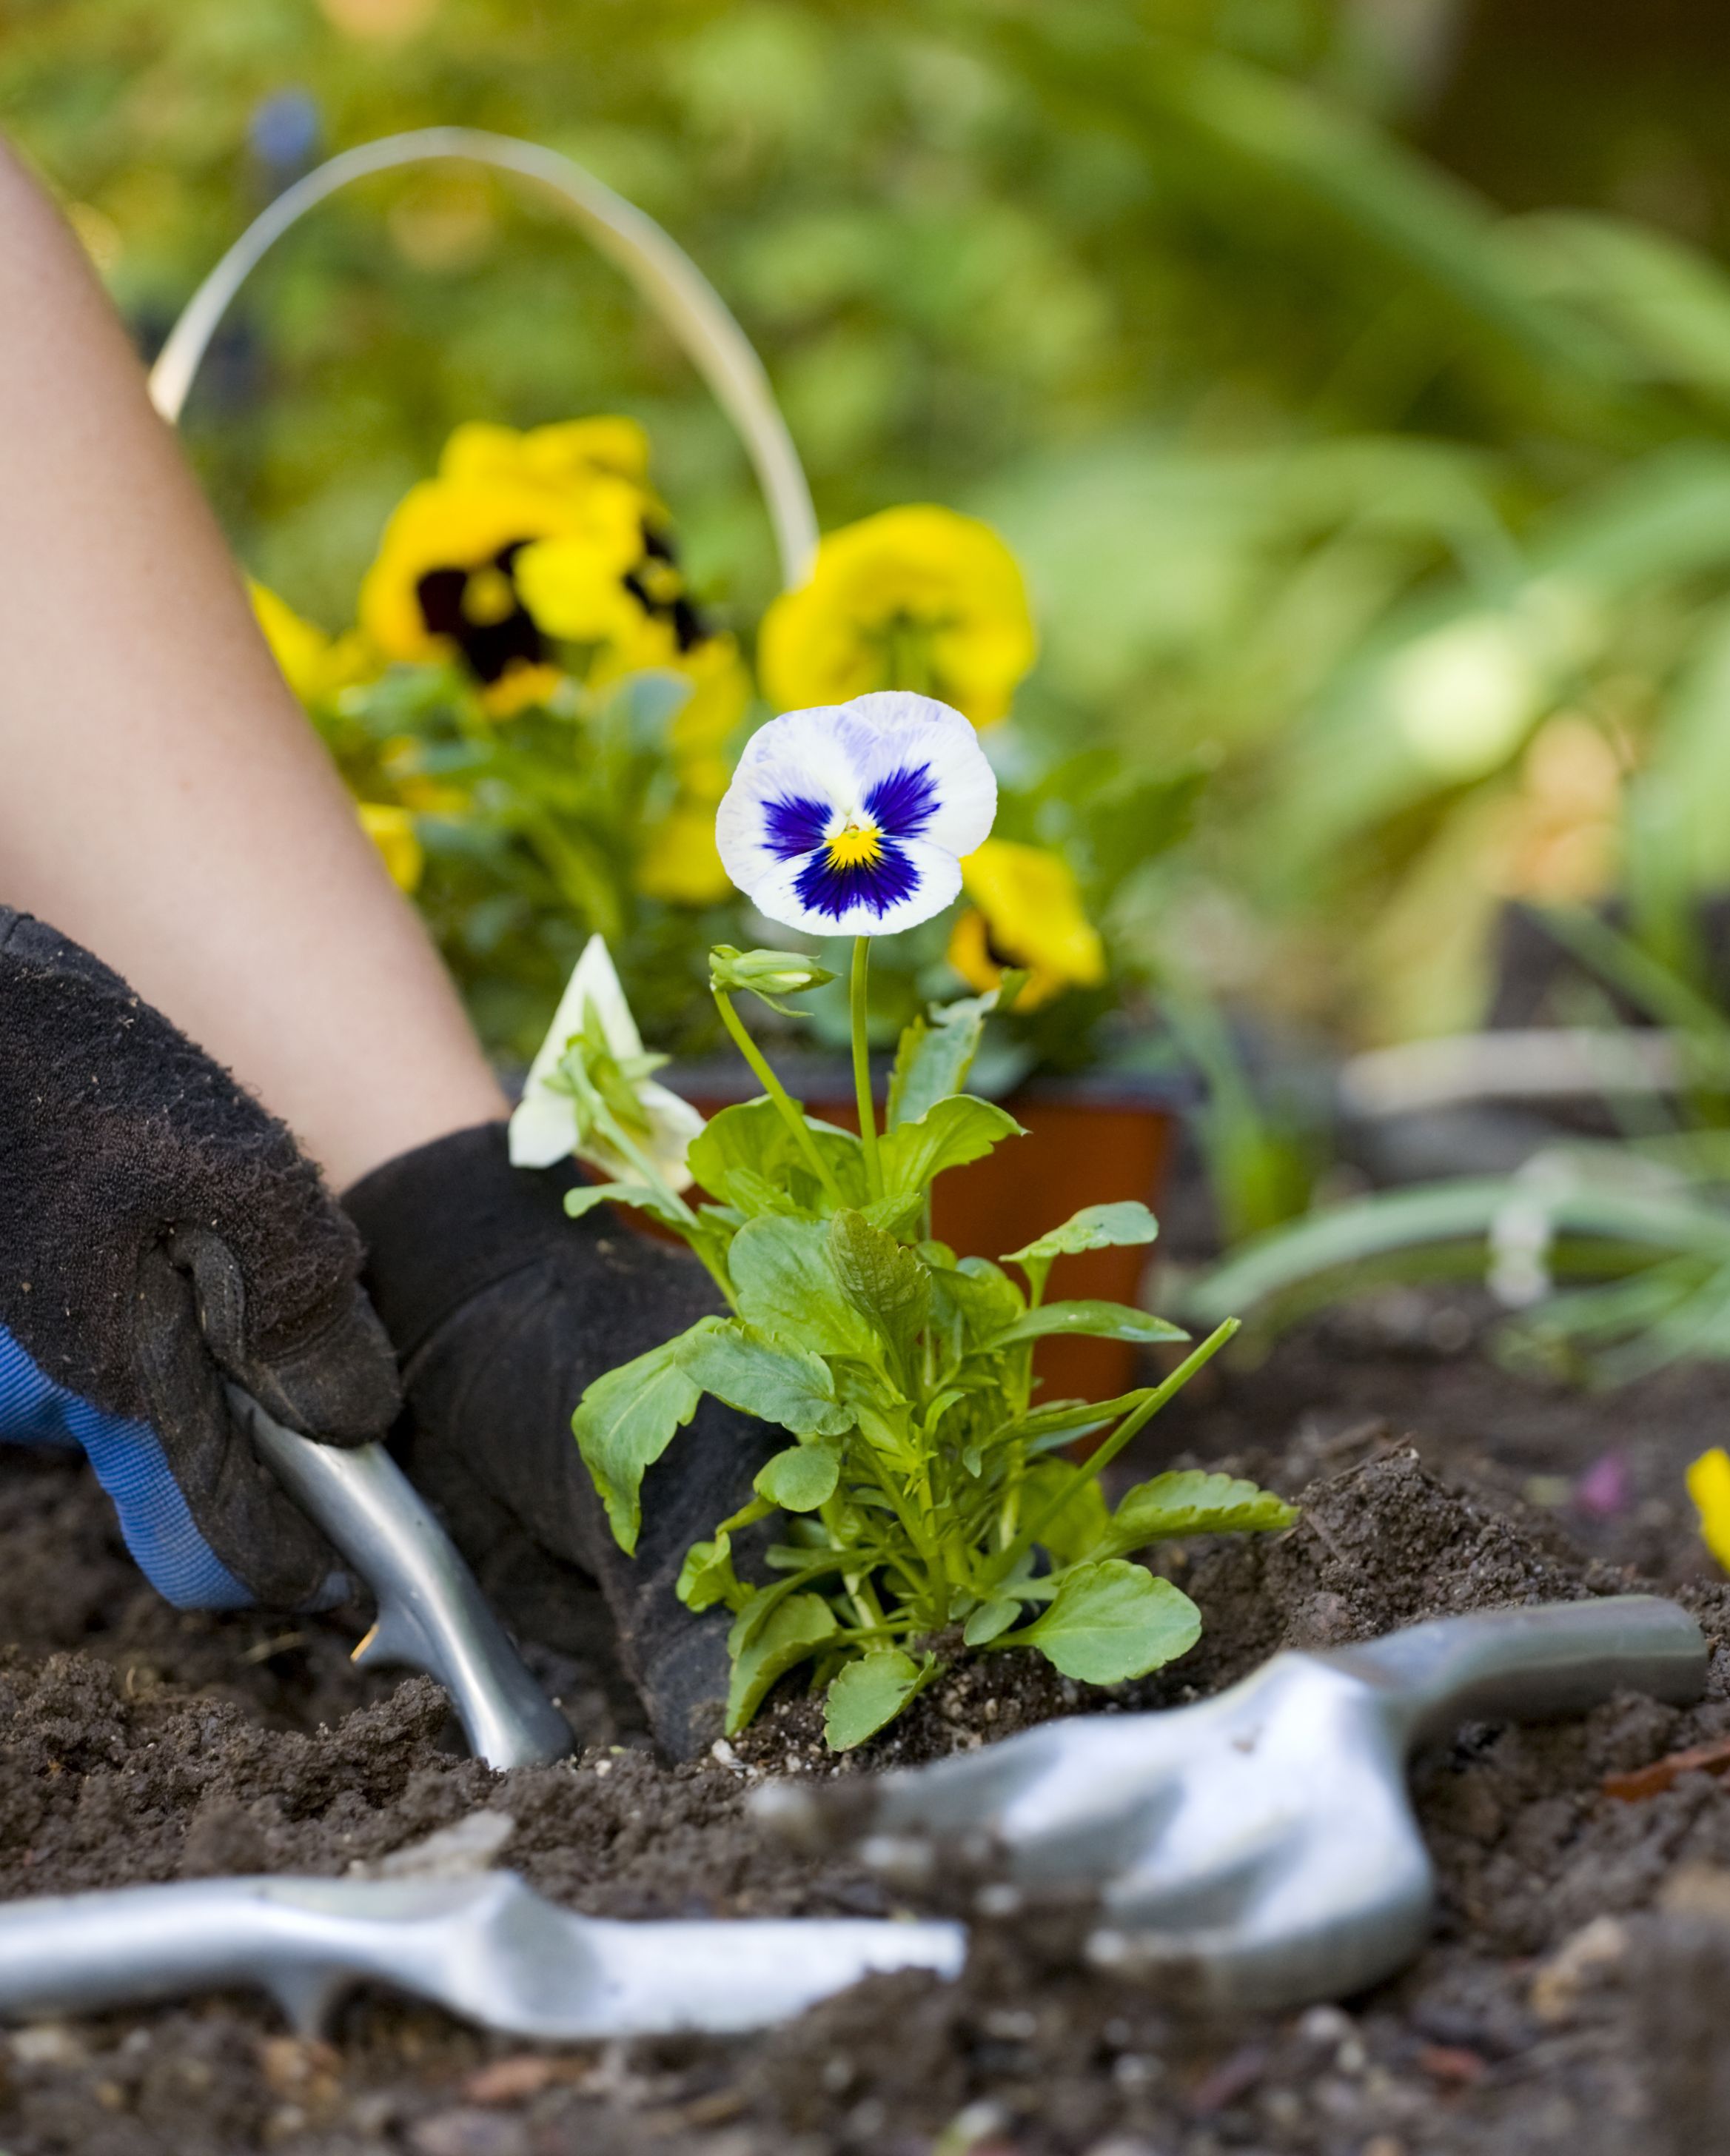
{"points": [[1090, 1140]]}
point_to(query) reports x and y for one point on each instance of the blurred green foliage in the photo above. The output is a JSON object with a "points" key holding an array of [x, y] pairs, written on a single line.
{"points": [[1409, 517]]}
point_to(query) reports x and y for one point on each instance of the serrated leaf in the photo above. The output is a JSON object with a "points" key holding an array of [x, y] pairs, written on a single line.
{"points": [[783, 1384], [881, 1278], [787, 1288], [1097, 1321], [802, 1478], [934, 1057], [984, 1626], [794, 1629], [1188, 1501], [869, 1692], [949, 1134], [623, 1424], [1082, 1523], [1094, 1228], [1110, 1621]]}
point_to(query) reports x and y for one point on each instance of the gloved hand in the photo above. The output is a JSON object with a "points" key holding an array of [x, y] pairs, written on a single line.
{"points": [[160, 1232], [503, 1310]]}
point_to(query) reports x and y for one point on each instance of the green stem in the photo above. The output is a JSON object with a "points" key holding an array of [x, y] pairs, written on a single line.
{"points": [[785, 1105], [1088, 1470], [862, 1067]]}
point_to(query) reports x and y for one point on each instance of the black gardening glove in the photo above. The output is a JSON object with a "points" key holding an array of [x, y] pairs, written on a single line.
{"points": [[160, 1232], [503, 1311]]}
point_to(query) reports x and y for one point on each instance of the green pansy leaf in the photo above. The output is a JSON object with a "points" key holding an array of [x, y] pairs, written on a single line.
{"points": [[800, 1479], [749, 1144], [782, 1385], [1188, 1501], [949, 1134], [1078, 1529], [869, 1692], [1110, 1621], [1094, 1228], [978, 1298], [794, 1629], [987, 1620], [899, 1213], [706, 1576], [934, 1057], [1062, 1420], [787, 1288], [623, 1424], [881, 1278], [588, 1195], [1098, 1320]]}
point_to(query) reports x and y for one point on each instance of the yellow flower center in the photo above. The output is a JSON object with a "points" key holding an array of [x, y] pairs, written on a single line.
{"points": [[488, 597], [856, 845]]}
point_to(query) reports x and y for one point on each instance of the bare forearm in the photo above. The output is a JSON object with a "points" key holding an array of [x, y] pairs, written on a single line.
{"points": [[162, 798]]}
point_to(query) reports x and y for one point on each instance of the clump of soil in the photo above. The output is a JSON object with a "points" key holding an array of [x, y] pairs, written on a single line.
{"points": [[1574, 1995]]}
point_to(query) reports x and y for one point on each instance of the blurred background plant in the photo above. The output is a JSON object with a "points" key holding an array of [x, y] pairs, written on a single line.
{"points": [[1352, 382]]}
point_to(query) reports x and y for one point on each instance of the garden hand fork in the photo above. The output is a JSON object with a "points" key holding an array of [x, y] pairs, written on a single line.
{"points": [[1257, 1850]]}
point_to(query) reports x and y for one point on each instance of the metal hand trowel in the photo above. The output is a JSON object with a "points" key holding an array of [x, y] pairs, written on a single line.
{"points": [[432, 1615], [1258, 1849], [487, 1947]]}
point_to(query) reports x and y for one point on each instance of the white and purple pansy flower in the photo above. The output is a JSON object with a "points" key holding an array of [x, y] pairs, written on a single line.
{"points": [[852, 819]]}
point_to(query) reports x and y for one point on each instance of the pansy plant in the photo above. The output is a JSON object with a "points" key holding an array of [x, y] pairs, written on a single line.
{"points": [[924, 1505]]}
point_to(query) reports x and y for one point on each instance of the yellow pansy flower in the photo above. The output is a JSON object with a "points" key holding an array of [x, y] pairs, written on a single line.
{"points": [[1026, 912], [314, 665], [392, 831], [1709, 1486], [678, 862], [917, 598], [445, 578]]}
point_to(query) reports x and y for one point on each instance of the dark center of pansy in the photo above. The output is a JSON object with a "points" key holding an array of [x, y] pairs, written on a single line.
{"points": [[479, 609], [657, 587], [854, 858]]}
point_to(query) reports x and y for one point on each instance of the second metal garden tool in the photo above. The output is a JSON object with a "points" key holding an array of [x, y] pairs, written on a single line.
{"points": [[1259, 1849], [432, 1615], [487, 1947]]}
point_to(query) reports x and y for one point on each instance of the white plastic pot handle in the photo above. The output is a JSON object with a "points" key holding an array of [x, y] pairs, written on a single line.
{"points": [[660, 268]]}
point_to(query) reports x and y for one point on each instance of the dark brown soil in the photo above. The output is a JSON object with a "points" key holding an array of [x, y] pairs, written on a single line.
{"points": [[1575, 1997]]}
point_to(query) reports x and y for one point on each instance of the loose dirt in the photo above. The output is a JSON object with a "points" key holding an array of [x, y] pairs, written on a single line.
{"points": [[1574, 1997]]}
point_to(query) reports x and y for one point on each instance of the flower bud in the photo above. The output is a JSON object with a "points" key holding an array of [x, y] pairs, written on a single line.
{"points": [[765, 973]]}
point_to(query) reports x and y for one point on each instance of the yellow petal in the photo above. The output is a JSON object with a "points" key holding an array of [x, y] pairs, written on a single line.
{"points": [[1032, 916], [678, 862], [314, 665], [970, 951], [391, 830], [914, 598], [1709, 1486]]}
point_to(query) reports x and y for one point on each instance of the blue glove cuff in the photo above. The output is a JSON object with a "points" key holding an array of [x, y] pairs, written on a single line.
{"points": [[132, 1467]]}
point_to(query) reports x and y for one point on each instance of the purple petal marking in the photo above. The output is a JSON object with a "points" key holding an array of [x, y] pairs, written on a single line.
{"points": [[824, 888], [903, 802], [794, 825]]}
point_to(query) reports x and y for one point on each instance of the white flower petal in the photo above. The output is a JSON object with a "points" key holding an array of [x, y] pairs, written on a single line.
{"points": [[673, 1123], [893, 730], [593, 979], [543, 1126], [543, 1129]]}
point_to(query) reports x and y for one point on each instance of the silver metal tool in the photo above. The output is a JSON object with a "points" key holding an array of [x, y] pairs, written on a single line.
{"points": [[432, 1615], [487, 1947], [1259, 1849]]}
